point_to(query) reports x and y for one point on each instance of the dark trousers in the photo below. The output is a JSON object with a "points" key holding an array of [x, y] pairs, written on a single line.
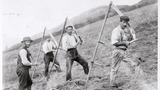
{"points": [[72, 55], [25, 81], [48, 57]]}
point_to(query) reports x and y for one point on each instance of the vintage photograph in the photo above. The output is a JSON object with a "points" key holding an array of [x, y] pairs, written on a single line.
{"points": [[79, 44]]}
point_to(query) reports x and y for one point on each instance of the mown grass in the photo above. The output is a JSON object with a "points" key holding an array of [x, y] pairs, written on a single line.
{"points": [[143, 20]]}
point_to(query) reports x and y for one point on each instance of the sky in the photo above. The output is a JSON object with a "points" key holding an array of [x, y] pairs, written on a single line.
{"points": [[22, 18]]}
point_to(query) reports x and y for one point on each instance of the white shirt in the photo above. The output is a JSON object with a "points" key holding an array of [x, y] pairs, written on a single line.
{"points": [[23, 56], [69, 41], [48, 46], [119, 35]]}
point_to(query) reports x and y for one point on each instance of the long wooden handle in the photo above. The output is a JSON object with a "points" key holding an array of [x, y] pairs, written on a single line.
{"points": [[48, 76], [39, 51], [117, 10], [53, 38], [95, 51], [81, 40]]}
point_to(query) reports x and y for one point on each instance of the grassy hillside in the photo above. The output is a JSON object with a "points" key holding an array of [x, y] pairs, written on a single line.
{"points": [[89, 17], [143, 20]]}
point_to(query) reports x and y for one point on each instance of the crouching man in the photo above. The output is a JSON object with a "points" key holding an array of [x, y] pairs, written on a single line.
{"points": [[122, 36]]}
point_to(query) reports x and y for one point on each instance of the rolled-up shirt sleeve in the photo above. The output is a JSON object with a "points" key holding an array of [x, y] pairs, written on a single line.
{"points": [[23, 55], [133, 33], [64, 43], [44, 47], [49, 47], [115, 36], [54, 46], [76, 37]]}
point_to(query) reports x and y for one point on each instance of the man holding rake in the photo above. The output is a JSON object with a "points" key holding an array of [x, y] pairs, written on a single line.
{"points": [[69, 44], [24, 64], [122, 36], [49, 47]]}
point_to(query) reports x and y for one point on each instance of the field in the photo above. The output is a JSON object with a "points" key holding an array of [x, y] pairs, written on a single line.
{"points": [[142, 77]]}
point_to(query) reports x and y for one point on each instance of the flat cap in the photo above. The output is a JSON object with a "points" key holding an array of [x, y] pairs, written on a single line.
{"points": [[69, 27], [124, 18]]}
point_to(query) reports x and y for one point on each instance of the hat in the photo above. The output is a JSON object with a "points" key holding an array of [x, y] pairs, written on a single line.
{"points": [[26, 39], [69, 27], [48, 39], [124, 18]]}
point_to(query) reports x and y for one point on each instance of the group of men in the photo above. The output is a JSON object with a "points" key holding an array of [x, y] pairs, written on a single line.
{"points": [[121, 38]]}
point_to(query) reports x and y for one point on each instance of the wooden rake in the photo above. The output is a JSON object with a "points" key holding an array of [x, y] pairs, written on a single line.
{"points": [[95, 51]]}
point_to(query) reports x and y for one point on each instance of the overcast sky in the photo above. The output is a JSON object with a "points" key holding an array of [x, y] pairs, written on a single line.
{"points": [[22, 18]]}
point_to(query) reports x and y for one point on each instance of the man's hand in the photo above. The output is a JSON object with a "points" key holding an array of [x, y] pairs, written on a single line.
{"points": [[133, 40], [35, 64], [80, 40], [54, 50], [127, 43], [62, 49], [76, 45], [102, 43]]}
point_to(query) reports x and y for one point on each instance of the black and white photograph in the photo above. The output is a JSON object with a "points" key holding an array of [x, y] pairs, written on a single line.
{"points": [[79, 44]]}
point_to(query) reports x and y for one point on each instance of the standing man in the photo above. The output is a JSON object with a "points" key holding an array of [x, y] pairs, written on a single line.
{"points": [[69, 44], [121, 38], [24, 64], [49, 47]]}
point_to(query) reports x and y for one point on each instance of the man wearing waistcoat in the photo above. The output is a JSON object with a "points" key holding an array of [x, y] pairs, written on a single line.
{"points": [[121, 38], [24, 64], [69, 44]]}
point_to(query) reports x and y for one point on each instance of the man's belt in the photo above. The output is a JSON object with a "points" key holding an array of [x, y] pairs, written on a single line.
{"points": [[121, 47], [49, 52], [71, 49]]}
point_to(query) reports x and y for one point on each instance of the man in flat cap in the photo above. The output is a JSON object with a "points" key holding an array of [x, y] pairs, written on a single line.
{"points": [[24, 64], [49, 47], [69, 44], [121, 38]]}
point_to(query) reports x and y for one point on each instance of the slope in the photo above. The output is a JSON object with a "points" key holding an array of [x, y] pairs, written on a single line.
{"points": [[89, 17], [144, 20]]}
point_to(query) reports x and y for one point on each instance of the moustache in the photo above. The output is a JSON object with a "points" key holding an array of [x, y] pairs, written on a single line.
{"points": [[124, 26]]}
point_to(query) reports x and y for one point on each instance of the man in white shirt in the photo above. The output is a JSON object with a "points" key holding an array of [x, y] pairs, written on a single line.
{"points": [[24, 64], [69, 44], [49, 47], [121, 38]]}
